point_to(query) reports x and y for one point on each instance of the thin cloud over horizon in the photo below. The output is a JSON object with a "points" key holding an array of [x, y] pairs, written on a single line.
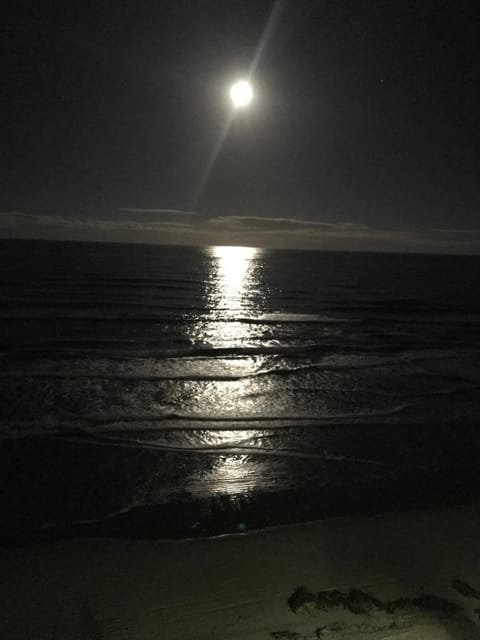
{"points": [[177, 212], [264, 231]]}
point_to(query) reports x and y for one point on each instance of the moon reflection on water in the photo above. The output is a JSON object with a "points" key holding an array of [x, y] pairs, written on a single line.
{"points": [[234, 279]]}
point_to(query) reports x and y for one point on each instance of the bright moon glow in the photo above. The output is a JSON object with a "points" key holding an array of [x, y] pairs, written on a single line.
{"points": [[241, 94]]}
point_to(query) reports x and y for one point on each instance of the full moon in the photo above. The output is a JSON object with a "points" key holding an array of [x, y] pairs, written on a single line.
{"points": [[241, 94]]}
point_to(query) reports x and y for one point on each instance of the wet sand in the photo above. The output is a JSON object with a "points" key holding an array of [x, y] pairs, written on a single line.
{"points": [[405, 575]]}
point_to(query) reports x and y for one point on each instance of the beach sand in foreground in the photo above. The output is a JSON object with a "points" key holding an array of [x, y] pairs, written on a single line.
{"points": [[399, 575]]}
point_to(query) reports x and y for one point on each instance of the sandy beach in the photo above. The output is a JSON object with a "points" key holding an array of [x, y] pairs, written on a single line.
{"points": [[400, 575]]}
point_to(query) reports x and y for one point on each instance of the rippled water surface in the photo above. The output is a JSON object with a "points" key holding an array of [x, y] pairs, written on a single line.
{"points": [[238, 369]]}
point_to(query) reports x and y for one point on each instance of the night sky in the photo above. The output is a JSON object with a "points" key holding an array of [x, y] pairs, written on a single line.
{"points": [[363, 134]]}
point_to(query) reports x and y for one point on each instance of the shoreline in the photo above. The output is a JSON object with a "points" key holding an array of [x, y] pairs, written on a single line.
{"points": [[54, 489], [222, 516], [408, 575]]}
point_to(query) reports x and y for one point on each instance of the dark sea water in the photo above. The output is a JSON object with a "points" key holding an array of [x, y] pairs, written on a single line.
{"points": [[154, 391]]}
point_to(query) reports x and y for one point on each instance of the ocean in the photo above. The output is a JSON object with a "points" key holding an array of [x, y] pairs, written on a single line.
{"points": [[166, 392]]}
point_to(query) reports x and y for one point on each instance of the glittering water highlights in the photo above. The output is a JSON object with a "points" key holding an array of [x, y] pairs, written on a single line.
{"points": [[232, 297], [186, 374]]}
